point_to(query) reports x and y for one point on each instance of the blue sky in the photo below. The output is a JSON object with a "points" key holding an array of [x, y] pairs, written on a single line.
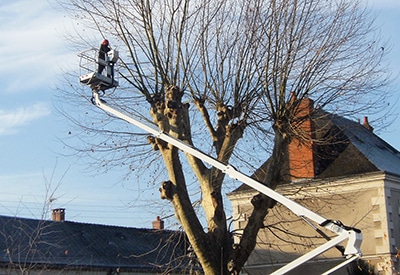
{"points": [[34, 56]]}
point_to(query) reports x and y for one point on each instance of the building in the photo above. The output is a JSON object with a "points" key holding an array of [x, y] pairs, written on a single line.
{"points": [[31, 246], [353, 177]]}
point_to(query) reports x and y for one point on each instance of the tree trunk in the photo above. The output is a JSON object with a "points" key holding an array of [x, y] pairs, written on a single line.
{"points": [[272, 177]]}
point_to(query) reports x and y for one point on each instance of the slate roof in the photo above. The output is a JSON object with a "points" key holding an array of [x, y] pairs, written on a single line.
{"points": [[353, 149], [381, 154], [71, 245]]}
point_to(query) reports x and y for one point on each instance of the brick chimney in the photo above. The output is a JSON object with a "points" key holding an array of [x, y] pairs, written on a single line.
{"points": [[58, 215], [158, 223], [302, 159]]}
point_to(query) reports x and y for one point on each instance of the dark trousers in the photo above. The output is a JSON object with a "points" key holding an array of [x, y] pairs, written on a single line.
{"points": [[101, 68]]}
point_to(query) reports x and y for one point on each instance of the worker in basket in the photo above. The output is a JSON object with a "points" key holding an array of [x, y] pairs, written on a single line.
{"points": [[104, 49]]}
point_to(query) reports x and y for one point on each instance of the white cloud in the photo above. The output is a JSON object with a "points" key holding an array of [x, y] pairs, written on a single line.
{"points": [[10, 121], [33, 47]]}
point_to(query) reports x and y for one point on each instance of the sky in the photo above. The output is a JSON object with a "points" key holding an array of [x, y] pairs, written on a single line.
{"points": [[33, 168]]}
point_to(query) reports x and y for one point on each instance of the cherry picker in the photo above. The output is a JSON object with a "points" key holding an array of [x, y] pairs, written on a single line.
{"points": [[351, 251]]}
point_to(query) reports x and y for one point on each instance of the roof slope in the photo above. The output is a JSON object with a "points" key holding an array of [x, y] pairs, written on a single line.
{"points": [[345, 147], [376, 150], [78, 245]]}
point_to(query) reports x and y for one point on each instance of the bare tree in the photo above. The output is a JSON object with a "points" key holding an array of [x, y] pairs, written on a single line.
{"points": [[245, 66], [23, 238]]}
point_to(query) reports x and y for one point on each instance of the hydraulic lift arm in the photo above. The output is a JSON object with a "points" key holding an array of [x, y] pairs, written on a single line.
{"points": [[352, 235]]}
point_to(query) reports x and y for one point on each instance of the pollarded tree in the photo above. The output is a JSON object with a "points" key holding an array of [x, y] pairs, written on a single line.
{"points": [[238, 69]]}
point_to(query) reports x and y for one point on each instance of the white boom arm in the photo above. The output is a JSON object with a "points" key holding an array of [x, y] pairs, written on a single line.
{"points": [[352, 235]]}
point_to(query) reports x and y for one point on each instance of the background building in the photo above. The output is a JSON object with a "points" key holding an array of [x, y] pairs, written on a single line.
{"points": [[353, 177], [30, 246]]}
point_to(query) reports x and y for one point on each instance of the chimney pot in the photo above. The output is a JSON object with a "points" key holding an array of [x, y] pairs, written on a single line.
{"points": [[366, 124], [158, 223], [58, 215]]}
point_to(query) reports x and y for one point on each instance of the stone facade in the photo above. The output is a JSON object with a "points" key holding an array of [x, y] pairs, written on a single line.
{"points": [[369, 202]]}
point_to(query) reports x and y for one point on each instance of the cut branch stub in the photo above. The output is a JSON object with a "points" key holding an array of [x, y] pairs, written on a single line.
{"points": [[152, 141], [156, 143], [157, 112], [173, 100], [167, 190], [262, 201], [224, 113], [236, 128]]}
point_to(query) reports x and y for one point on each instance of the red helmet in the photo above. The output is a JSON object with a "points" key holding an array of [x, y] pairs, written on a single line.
{"points": [[105, 42]]}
